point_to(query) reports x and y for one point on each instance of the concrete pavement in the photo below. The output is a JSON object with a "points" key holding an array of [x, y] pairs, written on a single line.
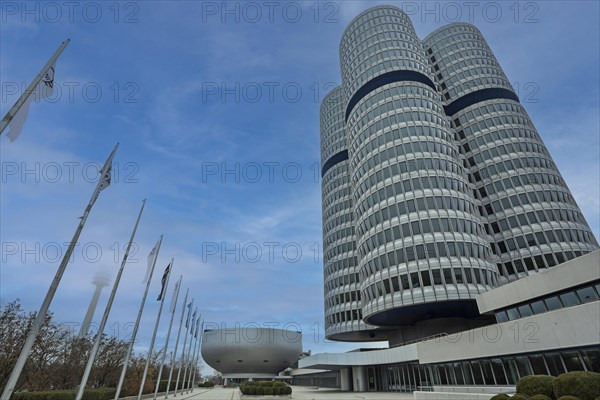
{"points": [[299, 392]]}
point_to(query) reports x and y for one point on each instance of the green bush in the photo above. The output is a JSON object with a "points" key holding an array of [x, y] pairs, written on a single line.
{"points": [[540, 397], [263, 388], [536, 384], [501, 396], [519, 397], [567, 397], [582, 384]]}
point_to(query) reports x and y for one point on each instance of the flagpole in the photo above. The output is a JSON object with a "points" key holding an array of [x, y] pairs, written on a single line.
{"points": [[198, 353], [164, 355], [193, 354], [186, 358], [174, 356], [162, 301], [183, 350], [113, 293], [43, 311], [31, 88], [137, 323]]}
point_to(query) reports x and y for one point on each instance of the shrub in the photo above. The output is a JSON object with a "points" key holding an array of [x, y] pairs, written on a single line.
{"points": [[252, 390], [582, 384], [162, 386], [536, 384], [519, 397], [288, 390], [501, 396], [540, 397], [89, 394], [567, 397], [260, 390]]}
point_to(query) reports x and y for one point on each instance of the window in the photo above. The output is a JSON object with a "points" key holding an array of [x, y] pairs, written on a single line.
{"points": [[512, 314], [488, 375], [572, 361], [569, 299], [553, 303], [512, 373], [501, 316], [587, 294], [477, 376], [498, 371], [525, 310], [538, 365], [554, 362], [538, 307], [523, 366]]}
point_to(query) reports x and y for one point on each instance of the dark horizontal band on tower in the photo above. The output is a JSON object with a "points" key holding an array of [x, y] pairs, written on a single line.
{"points": [[480, 95], [333, 160], [384, 79]]}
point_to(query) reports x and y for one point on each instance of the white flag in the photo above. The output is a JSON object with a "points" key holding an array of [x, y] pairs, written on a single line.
{"points": [[175, 295], [43, 90], [151, 257]]}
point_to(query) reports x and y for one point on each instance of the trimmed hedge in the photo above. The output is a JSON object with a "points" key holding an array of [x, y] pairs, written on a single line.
{"points": [[536, 384], [582, 384], [567, 397], [519, 397], [500, 396], [207, 384], [540, 397], [89, 394], [265, 388]]}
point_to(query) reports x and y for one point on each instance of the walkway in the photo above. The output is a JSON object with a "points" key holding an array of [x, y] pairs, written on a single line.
{"points": [[300, 393]]}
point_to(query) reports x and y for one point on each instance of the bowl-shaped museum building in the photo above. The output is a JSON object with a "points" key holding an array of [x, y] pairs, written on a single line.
{"points": [[248, 353]]}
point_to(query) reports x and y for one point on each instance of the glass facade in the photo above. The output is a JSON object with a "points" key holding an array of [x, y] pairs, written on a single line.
{"points": [[343, 311], [436, 185], [568, 298], [500, 371], [530, 214]]}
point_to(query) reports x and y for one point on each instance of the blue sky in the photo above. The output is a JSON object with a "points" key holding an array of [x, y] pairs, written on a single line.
{"points": [[189, 95]]}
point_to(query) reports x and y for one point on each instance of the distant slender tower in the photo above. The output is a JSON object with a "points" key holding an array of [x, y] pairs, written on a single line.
{"points": [[100, 281]]}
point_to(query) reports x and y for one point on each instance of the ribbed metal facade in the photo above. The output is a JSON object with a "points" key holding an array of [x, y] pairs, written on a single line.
{"points": [[436, 186]]}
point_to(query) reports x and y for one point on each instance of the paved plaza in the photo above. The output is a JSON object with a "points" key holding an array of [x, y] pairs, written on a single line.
{"points": [[301, 393]]}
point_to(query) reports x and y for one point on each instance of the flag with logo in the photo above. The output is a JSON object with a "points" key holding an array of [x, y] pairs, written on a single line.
{"points": [[163, 282], [197, 327], [193, 320], [42, 90], [105, 181], [187, 320]]}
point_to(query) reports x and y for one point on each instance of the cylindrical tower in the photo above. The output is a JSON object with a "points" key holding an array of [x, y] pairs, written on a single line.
{"points": [[343, 315], [531, 217], [422, 251], [100, 281]]}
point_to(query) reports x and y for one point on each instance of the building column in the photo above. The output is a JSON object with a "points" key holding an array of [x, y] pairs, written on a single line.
{"points": [[345, 380], [359, 375]]}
